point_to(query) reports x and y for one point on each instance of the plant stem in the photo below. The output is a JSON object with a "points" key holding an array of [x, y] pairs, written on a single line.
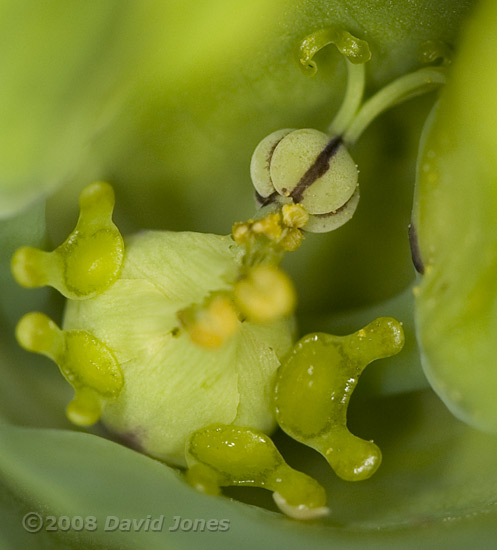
{"points": [[399, 90], [351, 101]]}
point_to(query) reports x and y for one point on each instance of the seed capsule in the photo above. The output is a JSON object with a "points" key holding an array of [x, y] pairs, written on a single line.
{"points": [[306, 167], [322, 223], [313, 170]]}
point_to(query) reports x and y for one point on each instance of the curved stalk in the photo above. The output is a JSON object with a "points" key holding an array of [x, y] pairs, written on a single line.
{"points": [[352, 99], [399, 90]]}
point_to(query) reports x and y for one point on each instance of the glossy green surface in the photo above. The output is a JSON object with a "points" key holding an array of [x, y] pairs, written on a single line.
{"points": [[313, 388], [85, 362], [234, 455], [88, 261]]}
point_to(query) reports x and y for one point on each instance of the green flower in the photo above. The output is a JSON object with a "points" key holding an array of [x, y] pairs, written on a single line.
{"points": [[168, 101]]}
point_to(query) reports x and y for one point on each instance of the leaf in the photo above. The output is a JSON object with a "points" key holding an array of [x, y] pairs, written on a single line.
{"points": [[455, 216], [418, 498], [62, 65]]}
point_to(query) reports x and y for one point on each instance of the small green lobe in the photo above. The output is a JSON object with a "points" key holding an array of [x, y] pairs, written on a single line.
{"points": [[89, 260], [85, 362], [224, 455], [313, 390]]}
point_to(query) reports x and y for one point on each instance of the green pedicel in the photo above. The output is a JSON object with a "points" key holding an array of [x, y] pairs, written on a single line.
{"points": [[319, 375], [88, 261]]}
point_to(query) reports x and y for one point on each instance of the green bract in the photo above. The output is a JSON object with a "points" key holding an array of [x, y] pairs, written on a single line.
{"points": [[456, 222], [72, 56]]}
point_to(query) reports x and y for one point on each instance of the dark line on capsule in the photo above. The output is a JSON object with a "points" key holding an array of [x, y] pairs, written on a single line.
{"points": [[320, 166], [415, 252], [264, 201]]}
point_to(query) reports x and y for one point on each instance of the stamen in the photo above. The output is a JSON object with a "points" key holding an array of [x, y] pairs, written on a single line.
{"points": [[211, 324], [265, 294]]}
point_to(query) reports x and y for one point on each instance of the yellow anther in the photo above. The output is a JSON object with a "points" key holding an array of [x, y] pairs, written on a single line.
{"points": [[89, 260], [265, 294], [294, 215], [211, 324], [270, 226], [241, 232], [85, 362], [292, 240]]}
